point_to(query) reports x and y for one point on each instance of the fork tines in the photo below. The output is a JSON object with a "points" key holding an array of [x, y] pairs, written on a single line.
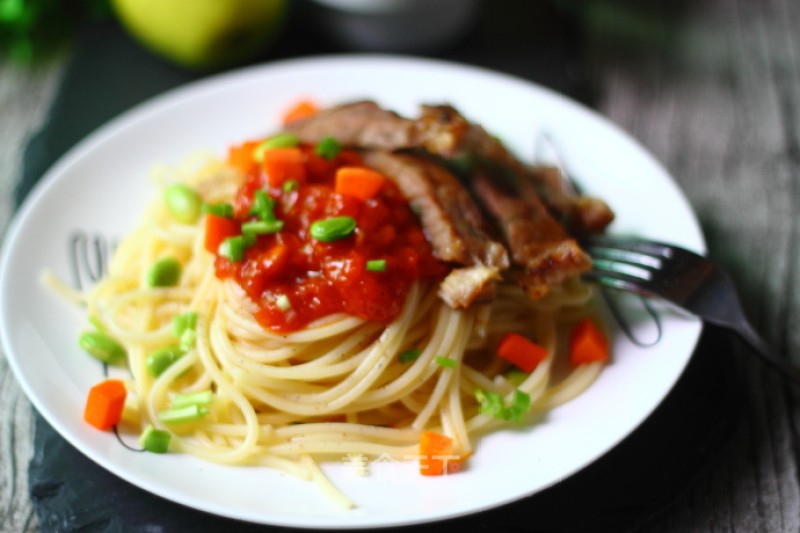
{"points": [[632, 264]]}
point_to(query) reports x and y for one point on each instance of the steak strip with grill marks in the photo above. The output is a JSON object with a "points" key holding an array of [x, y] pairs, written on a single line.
{"points": [[452, 223], [581, 215]]}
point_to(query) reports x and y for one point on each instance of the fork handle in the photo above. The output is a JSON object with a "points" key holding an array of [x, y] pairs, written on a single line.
{"points": [[767, 353]]}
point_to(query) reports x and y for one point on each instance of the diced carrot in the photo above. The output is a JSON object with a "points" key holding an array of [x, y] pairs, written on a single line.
{"points": [[302, 109], [217, 230], [240, 156], [588, 344], [521, 352], [360, 182], [435, 452], [281, 164], [105, 403]]}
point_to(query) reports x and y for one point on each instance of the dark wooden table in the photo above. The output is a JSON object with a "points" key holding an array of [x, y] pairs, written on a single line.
{"points": [[712, 88]]}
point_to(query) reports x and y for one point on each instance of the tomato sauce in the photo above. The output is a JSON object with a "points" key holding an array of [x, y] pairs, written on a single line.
{"points": [[320, 278]]}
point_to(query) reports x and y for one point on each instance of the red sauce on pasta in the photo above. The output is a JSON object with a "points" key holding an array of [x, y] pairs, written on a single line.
{"points": [[295, 278]]}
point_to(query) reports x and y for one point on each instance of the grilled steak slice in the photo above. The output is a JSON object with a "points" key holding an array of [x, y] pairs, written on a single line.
{"points": [[537, 242], [467, 285], [581, 215], [452, 223], [366, 125]]}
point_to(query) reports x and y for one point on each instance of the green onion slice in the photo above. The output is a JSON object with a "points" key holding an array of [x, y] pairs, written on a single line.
{"points": [[221, 209], [192, 398], [232, 248], [492, 404], [446, 361], [520, 404], [263, 206], [333, 229], [376, 265], [262, 227], [182, 415], [409, 355]]}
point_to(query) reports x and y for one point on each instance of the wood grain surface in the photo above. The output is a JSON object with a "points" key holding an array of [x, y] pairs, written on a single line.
{"points": [[712, 88], [25, 94]]}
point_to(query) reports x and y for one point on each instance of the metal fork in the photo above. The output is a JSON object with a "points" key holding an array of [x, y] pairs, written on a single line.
{"points": [[684, 279]]}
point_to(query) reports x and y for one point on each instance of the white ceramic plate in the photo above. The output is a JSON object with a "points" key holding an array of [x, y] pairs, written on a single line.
{"points": [[100, 188]]}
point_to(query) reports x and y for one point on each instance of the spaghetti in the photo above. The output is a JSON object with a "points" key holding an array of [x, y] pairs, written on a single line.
{"points": [[288, 393]]}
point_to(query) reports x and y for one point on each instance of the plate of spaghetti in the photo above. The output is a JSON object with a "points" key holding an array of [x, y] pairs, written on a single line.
{"points": [[346, 289]]}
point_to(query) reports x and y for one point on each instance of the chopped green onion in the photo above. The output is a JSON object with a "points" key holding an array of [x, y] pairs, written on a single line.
{"points": [[181, 415], [183, 322], [409, 355], [262, 227], [446, 361], [164, 273], [263, 206], [283, 302], [328, 148], [101, 346], [155, 440], [281, 140], [333, 229], [163, 358], [232, 248], [221, 209], [192, 398], [376, 265], [492, 404], [520, 404], [290, 185], [183, 203]]}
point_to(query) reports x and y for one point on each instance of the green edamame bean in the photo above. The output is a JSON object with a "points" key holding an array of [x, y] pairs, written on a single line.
{"points": [[183, 203], [161, 359], [101, 346], [164, 273], [333, 229]]}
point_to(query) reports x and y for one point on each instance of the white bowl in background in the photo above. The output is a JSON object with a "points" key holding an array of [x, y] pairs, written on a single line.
{"points": [[409, 26]]}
